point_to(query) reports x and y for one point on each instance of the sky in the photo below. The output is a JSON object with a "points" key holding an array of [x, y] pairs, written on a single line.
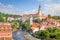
{"points": [[21, 7]]}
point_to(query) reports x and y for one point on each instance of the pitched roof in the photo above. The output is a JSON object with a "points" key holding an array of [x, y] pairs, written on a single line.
{"points": [[35, 25], [34, 15], [58, 21]]}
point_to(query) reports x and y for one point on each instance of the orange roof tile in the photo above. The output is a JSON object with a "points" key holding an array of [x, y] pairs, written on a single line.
{"points": [[51, 25], [35, 15], [35, 25], [26, 15], [58, 20]]}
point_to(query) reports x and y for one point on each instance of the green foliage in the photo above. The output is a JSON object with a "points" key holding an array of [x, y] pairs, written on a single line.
{"points": [[56, 17], [42, 34], [25, 25], [49, 15], [21, 25], [37, 21], [51, 33], [1, 18], [14, 21], [15, 25], [2, 15]]}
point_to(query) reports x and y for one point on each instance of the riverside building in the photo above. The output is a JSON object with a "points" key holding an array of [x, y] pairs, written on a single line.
{"points": [[5, 31]]}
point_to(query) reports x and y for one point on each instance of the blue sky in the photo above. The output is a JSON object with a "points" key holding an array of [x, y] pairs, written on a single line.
{"points": [[25, 5], [30, 6]]}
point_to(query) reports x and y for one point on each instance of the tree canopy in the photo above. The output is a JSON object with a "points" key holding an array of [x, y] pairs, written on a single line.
{"points": [[51, 33]]}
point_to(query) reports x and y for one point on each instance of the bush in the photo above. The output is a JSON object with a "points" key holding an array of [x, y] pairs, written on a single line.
{"points": [[37, 20], [51, 33]]}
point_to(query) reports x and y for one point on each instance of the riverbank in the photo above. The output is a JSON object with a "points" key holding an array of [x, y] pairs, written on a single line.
{"points": [[22, 35], [29, 37], [18, 35]]}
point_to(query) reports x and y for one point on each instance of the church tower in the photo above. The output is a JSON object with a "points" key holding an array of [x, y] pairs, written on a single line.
{"points": [[31, 20], [39, 11]]}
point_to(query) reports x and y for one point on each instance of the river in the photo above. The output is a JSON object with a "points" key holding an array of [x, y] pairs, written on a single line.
{"points": [[18, 35]]}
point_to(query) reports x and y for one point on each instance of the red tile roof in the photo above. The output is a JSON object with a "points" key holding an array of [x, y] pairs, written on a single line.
{"points": [[34, 15], [58, 21], [51, 25], [35, 25]]}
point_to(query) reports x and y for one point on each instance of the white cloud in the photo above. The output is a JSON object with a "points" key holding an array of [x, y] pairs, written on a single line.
{"points": [[10, 9], [34, 11], [44, 0], [53, 9]]}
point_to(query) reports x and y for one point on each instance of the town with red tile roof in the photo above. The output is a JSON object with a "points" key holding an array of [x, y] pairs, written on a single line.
{"points": [[30, 23], [46, 21]]}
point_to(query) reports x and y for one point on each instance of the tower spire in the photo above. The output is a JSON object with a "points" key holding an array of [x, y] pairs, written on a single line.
{"points": [[39, 10], [39, 6]]}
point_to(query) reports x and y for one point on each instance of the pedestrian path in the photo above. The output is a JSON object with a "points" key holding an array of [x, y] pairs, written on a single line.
{"points": [[30, 37]]}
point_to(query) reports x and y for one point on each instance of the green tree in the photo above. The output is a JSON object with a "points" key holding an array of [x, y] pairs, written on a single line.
{"points": [[37, 21], [42, 34], [27, 25], [50, 33], [1, 18], [49, 15]]}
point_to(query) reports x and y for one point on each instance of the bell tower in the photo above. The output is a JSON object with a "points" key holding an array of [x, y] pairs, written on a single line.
{"points": [[31, 20], [39, 11]]}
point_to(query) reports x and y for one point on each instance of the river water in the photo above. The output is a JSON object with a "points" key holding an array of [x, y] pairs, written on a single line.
{"points": [[18, 35]]}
